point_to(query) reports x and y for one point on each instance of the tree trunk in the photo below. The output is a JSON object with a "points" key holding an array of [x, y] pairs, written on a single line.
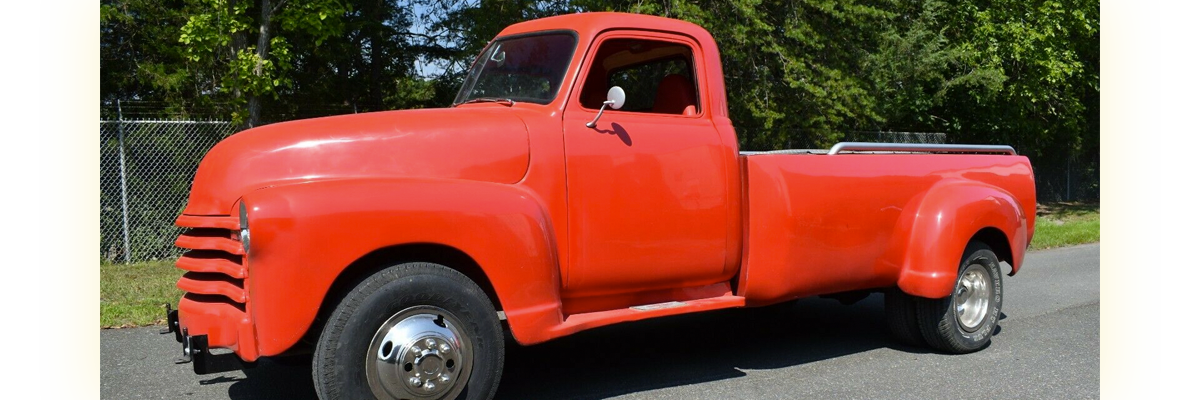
{"points": [[254, 101], [376, 90], [235, 47]]}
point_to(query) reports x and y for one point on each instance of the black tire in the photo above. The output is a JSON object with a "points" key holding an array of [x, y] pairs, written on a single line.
{"points": [[339, 367], [901, 310], [938, 320]]}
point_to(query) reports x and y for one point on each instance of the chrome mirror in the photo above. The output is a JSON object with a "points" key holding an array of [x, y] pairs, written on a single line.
{"points": [[616, 99]]}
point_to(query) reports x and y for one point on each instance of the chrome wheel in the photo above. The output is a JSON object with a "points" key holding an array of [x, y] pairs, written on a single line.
{"points": [[419, 353], [971, 297]]}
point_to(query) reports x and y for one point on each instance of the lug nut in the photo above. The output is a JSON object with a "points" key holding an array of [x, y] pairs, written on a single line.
{"points": [[430, 343], [443, 378], [445, 348], [429, 386], [414, 381]]}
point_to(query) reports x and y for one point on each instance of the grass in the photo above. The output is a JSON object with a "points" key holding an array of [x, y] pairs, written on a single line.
{"points": [[134, 294], [1066, 224]]}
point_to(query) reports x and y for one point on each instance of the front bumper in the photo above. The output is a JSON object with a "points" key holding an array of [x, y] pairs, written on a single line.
{"points": [[196, 350], [215, 309]]}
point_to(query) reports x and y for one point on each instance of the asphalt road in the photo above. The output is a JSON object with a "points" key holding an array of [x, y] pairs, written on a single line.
{"points": [[1048, 347]]}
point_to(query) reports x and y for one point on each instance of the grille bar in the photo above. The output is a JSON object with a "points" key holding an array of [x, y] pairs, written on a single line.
{"points": [[211, 261], [190, 240], [215, 262], [193, 221], [215, 284]]}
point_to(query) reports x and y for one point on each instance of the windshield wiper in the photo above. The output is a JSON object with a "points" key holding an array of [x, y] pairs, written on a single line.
{"points": [[487, 99]]}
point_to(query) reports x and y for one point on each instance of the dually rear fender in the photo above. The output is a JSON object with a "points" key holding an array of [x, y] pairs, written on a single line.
{"points": [[949, 215]]}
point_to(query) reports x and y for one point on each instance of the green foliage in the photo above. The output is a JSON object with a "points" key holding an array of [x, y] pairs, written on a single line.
{"points": [[207, 32], [1041, 49], [916, 65], [412, 93], [139, 55], [256, 63], [799, 73], [320, 19]]}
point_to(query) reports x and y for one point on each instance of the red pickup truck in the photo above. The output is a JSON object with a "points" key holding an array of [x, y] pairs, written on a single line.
{"points": [[587, 174]]}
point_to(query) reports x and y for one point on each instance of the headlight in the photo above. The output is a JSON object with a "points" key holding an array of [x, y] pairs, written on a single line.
{"points": [[244, 224]]}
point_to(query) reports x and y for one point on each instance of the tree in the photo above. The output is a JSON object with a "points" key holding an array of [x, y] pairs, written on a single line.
{"points": [[1017, 72], [139, 55], [798, 73], [253, 59], [916, 66]]}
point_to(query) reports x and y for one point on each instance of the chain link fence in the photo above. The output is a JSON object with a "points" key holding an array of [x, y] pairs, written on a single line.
{"points": [[146, 171], [1067, 179]]}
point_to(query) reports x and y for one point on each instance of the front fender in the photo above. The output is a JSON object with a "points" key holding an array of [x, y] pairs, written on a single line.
{"points": [[304, 235], [948, 216]]}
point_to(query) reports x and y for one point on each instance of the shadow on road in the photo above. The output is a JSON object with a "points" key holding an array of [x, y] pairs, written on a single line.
{"points": [[653, 354]]}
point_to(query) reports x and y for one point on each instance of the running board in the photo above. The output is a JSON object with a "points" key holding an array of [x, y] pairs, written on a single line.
{"points": [[578, 322]]}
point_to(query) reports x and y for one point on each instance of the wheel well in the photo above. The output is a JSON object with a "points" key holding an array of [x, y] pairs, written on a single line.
{"points": [[997, 241], [377, 260]]}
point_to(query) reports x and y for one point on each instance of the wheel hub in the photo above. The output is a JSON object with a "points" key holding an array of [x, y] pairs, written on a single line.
{"points": [[419, 353], [972, 295]]}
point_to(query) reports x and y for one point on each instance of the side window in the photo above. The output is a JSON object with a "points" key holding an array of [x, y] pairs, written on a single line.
{"points": [[641, 82], [658, 77]]}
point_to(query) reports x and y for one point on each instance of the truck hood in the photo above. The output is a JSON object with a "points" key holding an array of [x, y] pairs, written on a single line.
{"points": [[474, 143]]}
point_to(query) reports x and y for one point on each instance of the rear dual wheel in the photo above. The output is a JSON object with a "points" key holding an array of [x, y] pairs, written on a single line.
{"points": [[411, 331], [960, 323]]}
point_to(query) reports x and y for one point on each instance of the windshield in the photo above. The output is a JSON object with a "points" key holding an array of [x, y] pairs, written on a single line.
{"points": [[526, 68]]}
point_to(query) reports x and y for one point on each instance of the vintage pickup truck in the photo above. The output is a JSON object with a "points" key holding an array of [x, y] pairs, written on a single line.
{"points": [[587, 174]]}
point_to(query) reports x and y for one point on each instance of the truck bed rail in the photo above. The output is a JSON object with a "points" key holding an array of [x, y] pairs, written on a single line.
{"points": [[844, 147], [923, 148]]}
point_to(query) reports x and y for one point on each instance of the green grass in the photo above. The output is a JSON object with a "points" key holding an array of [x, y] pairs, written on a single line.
{"points": [[1066, 224], [133, 295]]}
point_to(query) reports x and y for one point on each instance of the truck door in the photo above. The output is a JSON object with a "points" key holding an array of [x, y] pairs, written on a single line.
{"points": [[646, 186]]}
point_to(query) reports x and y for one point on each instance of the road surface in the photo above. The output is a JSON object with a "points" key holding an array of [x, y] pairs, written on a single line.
{"points": [[1048, 346]]}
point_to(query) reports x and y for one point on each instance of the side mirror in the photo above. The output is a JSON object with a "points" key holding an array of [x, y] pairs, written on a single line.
{"points": [[616, 99]]}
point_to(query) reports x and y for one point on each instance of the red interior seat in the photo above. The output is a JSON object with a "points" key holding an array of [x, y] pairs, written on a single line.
{"points": [[676, 95]]}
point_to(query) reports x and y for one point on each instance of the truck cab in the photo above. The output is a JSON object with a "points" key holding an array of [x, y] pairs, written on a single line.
{"points": [[587, 174]]}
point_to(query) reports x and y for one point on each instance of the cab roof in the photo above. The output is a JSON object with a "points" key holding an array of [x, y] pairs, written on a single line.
{"points": [[588, 25]]}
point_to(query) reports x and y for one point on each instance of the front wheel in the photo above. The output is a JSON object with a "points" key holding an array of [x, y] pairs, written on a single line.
{"points": [[411, 331], [964, 321]]}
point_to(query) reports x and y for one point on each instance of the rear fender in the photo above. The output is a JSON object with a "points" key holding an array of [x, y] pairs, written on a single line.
{"points": [[948, 216], [304, 235]]}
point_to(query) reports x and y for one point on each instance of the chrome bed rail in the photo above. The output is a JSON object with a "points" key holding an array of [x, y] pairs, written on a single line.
{"points": [[844, 147], [923, 148]]}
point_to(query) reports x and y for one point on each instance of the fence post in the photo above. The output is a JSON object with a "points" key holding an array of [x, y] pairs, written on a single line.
{"points": [[124, 194], [1069, 176]]}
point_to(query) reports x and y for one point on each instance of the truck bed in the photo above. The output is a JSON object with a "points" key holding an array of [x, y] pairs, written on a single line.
{"points": [[827, 224]]}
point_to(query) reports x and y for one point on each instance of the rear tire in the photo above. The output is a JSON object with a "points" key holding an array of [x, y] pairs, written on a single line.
{"points": [[901, 310], [964, 321], [408, 323]]}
